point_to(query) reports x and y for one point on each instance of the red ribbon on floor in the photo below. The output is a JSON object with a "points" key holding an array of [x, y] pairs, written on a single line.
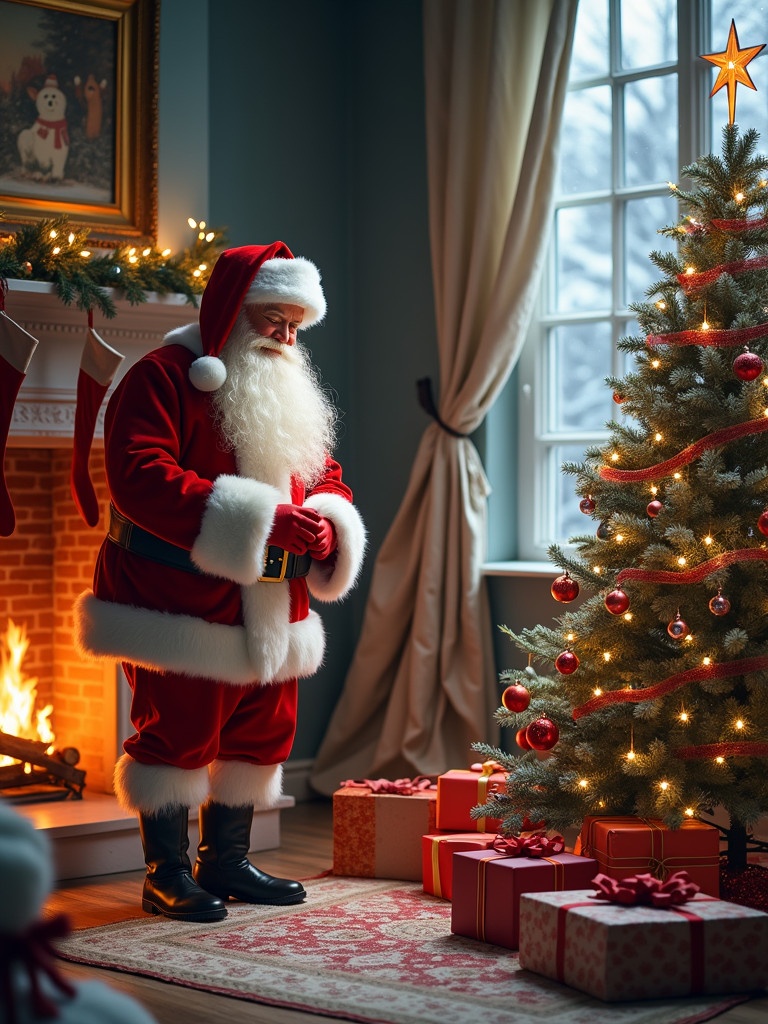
{"points": [[34, 950]]}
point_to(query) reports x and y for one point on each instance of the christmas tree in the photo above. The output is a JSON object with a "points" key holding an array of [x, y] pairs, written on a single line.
{"points": [[653, 696]]}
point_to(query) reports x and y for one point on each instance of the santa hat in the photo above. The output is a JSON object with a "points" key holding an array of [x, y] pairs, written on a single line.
{"points": [[251, 274], [98, 365], [16, 349]]}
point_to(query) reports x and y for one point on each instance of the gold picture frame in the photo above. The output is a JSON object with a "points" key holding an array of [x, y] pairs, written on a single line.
{"points": [[78, 115]]}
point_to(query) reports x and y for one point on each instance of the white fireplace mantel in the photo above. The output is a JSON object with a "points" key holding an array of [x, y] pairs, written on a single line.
{"points": [[44, 412]]}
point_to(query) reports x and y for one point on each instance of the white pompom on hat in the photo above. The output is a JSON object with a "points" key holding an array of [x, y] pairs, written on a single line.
{"points": [[251, 274]]}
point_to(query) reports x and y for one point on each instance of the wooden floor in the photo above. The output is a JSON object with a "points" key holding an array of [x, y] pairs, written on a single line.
{"points": [[306, 851]]}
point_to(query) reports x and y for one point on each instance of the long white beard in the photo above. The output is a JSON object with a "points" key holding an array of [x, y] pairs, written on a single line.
{"points": [[272, 410]]}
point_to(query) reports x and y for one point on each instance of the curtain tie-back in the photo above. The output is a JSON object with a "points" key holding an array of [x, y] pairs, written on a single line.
{"points": [[427, 403]]}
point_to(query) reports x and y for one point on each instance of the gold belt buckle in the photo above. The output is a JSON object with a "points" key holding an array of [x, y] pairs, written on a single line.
{"points": [[283, 568]]}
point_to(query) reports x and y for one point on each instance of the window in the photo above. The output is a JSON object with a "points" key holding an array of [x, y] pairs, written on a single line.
{"points": [[637, 111]]}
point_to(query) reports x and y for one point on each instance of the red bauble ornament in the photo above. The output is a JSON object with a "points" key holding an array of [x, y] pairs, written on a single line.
{"points": [[587, 505], [653, 508], [762, 523], [564, 589], [748, 365], [677, 629], [542, 734], [566, 663], [719, 605], [618, 397], [616, 602], [516, 698], [521, 739]]}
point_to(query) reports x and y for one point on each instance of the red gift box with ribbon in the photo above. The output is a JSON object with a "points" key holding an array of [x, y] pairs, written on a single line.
{"points": [[461, 789], [378, 825], [616, 946], [488, 884], [437, 850], [625, 845]]}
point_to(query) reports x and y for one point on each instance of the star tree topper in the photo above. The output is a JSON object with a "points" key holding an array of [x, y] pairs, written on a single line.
{"points": [[733, 68]]}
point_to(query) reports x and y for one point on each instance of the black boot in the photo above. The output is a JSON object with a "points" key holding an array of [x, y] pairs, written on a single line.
{"points": [[169, 887], [222, 866]]}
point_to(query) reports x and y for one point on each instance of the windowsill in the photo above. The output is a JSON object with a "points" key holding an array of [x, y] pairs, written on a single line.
{"points": [[518, 569]]}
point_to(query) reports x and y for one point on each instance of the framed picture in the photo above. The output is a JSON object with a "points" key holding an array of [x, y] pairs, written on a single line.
{"points": [[78, 115]]}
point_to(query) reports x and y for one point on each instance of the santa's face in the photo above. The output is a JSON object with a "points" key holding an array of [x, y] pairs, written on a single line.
{"points": [[277, 322]]}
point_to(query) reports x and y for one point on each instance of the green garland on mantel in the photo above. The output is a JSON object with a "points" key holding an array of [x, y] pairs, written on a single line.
{"points": [[54, 251]]}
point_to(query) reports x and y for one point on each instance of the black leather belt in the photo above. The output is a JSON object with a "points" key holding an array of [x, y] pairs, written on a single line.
{"points": [[279, 564]]}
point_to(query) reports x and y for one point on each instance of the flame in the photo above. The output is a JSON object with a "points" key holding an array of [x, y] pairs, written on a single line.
{"points": [[18, 694]]}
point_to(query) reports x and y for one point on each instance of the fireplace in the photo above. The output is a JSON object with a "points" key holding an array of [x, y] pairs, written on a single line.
{"points": [[49, 558]]}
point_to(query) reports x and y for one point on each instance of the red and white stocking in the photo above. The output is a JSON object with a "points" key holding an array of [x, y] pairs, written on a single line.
{"points": [[98, 365], [16, 348]]}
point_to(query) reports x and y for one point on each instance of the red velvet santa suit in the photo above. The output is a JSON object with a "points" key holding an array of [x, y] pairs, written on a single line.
{"points": [[213, 657]]}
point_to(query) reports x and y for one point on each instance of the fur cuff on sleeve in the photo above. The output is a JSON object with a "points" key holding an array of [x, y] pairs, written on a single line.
{"points": [[236, 524], [334, 578]]}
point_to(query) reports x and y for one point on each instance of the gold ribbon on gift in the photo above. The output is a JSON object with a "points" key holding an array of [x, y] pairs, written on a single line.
{"points": [[659, 864], [487, 770]]}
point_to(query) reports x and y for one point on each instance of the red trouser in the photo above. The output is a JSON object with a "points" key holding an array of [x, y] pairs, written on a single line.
{"points": [[188, 722]]}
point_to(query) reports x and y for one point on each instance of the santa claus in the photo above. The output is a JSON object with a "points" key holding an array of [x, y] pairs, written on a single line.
{"points": [[227, 512]]}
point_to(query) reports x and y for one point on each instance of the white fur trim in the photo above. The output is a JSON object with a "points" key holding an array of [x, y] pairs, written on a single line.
{"points": [[207, 373], [158, 788], [187, 335], [182, 643], [296, 282], [241, 784], [26, 867], [351, 537], [236, 525]]}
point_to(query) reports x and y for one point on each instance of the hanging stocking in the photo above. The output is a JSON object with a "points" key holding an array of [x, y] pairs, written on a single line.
{"points": [[16, 348], [98, 366]]}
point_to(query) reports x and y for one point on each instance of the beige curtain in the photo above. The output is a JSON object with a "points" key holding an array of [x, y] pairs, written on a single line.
{"points": [[421, 687]]}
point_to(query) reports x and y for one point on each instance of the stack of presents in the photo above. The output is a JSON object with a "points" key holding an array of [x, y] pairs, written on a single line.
{"points": [[630, 912]]}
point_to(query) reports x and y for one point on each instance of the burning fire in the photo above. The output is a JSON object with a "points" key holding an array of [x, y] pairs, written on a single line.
{"points": [[18, 694]]}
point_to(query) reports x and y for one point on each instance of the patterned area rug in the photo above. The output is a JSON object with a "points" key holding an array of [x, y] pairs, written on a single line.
{"points": [[361, 949]]}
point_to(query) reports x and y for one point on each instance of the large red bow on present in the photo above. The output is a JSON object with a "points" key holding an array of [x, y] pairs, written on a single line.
{"points": [[402, 787], [537, 845], [646, 890]]}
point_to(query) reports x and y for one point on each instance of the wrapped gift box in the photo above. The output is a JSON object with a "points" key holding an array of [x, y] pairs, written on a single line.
{"points": [[487, 887], [458, 791], [437, 850], [625, 846], [378, 835], [617, 952]]}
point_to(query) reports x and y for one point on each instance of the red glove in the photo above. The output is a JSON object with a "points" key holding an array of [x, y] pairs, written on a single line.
{"points": [[294, 528], [325, 542]]}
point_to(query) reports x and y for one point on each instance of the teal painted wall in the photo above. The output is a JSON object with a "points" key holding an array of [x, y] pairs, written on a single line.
{"points": [[304, 120]]}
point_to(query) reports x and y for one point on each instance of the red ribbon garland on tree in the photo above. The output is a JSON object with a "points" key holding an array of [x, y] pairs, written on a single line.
{"points": [[723, 670], [645, 890], [697, 574], [711, 338], [740, 224], [687, 455], [689, 282]]}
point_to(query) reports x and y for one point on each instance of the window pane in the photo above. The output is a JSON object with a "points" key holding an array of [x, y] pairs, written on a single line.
{"points": [[570, 522], [583, 258], [590, 45], [642, 220], [585, 142], [650, 129], [648, 33], [579, 360]]}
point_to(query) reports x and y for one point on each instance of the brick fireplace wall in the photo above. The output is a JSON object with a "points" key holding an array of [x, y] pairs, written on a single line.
{"points": [[44, 565]]}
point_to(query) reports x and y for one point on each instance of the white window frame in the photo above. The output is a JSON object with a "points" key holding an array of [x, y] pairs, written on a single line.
{"points": [[536, 512]]}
